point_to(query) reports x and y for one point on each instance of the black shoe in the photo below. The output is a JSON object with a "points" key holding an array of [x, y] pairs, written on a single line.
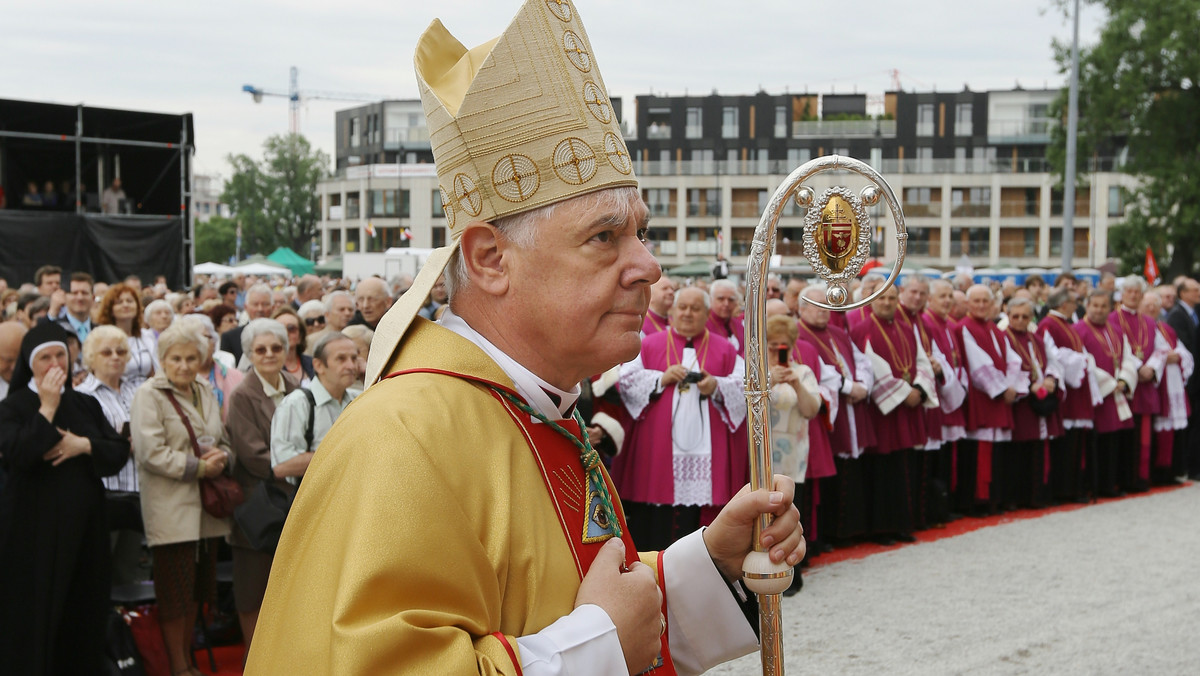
{"points": [[906, 537], [824, 547], [885, 540]]}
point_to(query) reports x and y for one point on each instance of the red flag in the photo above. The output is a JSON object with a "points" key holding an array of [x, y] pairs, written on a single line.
{"points": [[1151, 270]]}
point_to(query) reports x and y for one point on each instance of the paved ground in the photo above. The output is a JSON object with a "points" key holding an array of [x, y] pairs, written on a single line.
{"points": [[1112, 588]]}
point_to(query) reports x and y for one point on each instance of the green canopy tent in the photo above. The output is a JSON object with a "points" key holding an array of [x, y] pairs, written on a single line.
{"points": [[693, 269], [333, 266], [299, 265]]}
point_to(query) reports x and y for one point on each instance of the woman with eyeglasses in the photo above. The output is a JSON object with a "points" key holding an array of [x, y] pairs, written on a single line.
{"points": [[122, 307], [105, 354], [251, 407], [313, 314], [297, 364]]}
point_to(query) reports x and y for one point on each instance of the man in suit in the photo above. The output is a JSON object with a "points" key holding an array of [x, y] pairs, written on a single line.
{"points": [[1183, 319], [258, 306]]}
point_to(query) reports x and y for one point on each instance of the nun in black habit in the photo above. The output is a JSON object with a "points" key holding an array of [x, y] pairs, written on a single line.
{"points": [[54, 548]]}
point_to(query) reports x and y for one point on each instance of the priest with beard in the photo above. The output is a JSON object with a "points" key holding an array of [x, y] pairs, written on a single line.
{"points": [[662, 295], [1036, 418], [1114, 377], [723, 320], [843, 494], [952, 385], [904, 384], [1075, 449], [996, 380], [686, 396], [1149, 347], [1172, 419]]}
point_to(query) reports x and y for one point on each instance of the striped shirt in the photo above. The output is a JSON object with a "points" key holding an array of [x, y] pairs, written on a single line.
{"points": [[115, 404]]}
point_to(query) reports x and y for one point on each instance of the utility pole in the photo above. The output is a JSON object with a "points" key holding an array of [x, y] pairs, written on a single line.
{"points": [[1068, 229]]}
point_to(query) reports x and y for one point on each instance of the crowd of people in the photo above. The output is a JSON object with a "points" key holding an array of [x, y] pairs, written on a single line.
{"points": [[939, 400], [118, 401], [63, 196]]}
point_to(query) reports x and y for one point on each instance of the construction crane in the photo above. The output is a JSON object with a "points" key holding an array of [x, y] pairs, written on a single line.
{"points": [[295, 97]]}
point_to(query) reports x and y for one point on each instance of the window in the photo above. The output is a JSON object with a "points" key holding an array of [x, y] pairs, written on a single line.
{"points": [[658, 123], [704, 202], [660, 201], [1018, 242], [661, 241], [925, 119], [797, 157], [971, 202], [438, 212], [389, 203], [353, 131], [762, 162], [960, 160], [695, 123], [439, 236], [702, 162], [335, 242], [925, 202], [729, 122], [969, 242], [925, 242], [924, 160], [963, 125], [664, 159], [780, 122], [1080, 242], [1116, 201]]}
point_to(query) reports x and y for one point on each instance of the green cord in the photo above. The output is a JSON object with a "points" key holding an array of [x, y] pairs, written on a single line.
{"points": [[588, 456]]}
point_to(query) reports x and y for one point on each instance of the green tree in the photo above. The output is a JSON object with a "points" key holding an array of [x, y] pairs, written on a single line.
{"points": [[275, 200], [216, 240], [1138, 89]]}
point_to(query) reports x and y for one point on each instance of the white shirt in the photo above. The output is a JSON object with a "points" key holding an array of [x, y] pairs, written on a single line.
{"points": [[706, 624]]}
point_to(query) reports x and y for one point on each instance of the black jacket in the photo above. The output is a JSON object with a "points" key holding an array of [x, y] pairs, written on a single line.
{"points": [[1179, 319]]}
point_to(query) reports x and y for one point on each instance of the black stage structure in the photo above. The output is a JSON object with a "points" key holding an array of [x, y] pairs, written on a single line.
{"points": [[86, 146]]}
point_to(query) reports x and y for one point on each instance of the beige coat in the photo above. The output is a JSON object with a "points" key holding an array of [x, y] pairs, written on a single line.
{"points": [[167, 467]]}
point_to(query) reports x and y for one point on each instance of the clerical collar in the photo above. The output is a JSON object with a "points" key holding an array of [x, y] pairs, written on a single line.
{"points": [[1132, 312], [534, 390], [1058, 314]]}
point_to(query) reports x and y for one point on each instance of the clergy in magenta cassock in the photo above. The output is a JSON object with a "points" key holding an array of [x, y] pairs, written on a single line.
{"points": [[723, 320], [904, 384], [662, 295], [1175, 409], [851, 433], [685, 393], [1036, 419], [952, 383], [1150, 347], [996, 380], [456, 519], [1113, 371], [1069, 453]]}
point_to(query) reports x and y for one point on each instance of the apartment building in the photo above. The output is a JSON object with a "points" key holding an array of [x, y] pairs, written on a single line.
{"points": [[969, 169]]}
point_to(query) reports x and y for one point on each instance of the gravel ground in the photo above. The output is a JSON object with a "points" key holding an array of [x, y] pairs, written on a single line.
{"points": [[1110, 589]]}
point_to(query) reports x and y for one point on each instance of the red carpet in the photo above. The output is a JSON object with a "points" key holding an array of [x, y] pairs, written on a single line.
{"points": [[966, 525], [229, 658]]}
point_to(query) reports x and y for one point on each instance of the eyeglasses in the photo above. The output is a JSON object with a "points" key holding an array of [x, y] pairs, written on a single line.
{"points": [[292, 328], [262, 349], [108, 352], [313, 321]]}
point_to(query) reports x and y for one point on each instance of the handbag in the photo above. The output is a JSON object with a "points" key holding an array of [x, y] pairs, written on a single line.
{"points": [[1043, 403], [220, 494], [262, 516]]}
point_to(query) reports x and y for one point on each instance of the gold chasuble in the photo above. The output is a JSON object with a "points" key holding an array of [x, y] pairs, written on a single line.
{"points": [[469, 524]]}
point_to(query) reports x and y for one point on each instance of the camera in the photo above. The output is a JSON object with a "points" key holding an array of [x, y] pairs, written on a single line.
{"points": [[693, 377]]}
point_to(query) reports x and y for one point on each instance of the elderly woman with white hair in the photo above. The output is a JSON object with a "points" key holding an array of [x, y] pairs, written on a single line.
{"points": [[312, 313], [157, 316], [251, 407], [178, 439], [217, 368]]}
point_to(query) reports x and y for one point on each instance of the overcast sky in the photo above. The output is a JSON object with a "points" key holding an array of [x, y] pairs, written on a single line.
{"points": [[176, 57]]}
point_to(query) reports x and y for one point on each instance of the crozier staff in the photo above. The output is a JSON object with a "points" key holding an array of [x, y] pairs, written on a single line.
{"points": [[455, 519]]}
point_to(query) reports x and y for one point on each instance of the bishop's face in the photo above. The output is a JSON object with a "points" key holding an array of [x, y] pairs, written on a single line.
{"points": [[581, 291]]}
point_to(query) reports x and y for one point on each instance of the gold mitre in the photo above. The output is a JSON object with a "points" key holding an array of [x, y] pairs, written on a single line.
{"points": [[517, 123]]}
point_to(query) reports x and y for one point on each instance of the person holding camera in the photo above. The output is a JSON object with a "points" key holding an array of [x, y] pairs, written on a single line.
{"points": [[685, 395]]}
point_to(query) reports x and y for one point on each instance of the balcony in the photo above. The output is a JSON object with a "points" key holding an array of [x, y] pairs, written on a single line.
{"points": [[704, 208], [656, 131], [923, 210], [1032, 131], [662, 210], [969, 210], [406, 138], [844, 129]]}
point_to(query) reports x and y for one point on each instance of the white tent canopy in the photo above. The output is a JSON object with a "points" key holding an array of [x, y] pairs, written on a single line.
{"points": [[213, 269], [261, 269]]}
